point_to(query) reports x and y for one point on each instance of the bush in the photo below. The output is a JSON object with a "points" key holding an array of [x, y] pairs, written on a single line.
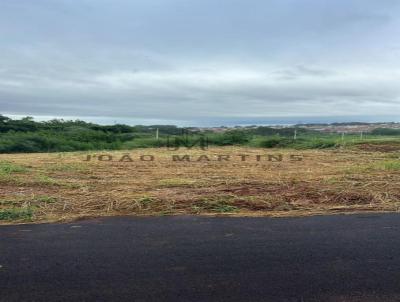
{"points": [[233, 137], [18, 142], [148, 142], [276, 142], [315, 143], [16, 214], [385, 131]]}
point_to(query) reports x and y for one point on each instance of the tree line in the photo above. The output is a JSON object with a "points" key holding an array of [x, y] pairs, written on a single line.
{"points": [[57, 135]]}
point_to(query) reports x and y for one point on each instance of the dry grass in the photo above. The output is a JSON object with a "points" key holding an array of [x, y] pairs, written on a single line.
{"points": [[57, 187]]}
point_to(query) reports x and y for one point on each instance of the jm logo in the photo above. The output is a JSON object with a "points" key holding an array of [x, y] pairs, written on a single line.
{"points": [[185, 141]]}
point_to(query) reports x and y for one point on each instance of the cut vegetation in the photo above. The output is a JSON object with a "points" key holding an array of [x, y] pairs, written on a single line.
{"points": [[62, 186]]}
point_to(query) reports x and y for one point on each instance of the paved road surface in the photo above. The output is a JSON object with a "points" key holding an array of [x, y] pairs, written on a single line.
{"points": [[336, 258]]}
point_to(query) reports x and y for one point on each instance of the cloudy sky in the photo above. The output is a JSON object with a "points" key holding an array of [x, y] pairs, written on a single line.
{"points": [[201, 61]]}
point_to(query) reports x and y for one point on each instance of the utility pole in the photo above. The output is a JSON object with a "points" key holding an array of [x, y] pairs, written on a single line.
{"points": [[295, 134], [157, 134], [361, 135], [342, 136]]}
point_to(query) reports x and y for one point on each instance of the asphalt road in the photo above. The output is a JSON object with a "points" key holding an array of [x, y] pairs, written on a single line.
{"points": [[334, 258]]}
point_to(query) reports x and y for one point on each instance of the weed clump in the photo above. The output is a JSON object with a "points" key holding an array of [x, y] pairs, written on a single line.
{"points": [[16, 214], [218, 205], [7, 168]]}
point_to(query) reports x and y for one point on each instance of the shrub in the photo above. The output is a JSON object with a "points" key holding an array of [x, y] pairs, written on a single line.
{"points": [[276, 142], [16, 214]]}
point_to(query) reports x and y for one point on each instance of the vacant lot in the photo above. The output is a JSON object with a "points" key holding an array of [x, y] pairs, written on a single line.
{"points": [[218, 181]]}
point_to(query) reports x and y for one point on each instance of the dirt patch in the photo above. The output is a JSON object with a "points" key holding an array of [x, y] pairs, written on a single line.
{"points": [[378, 147]]}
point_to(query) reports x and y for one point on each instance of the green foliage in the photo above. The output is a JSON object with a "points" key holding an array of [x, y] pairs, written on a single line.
{"points": [[276, 142], [385, 131], [383, 166], [44, 141], [220, 204], [319, 143], [7, 168], [145, 201], [46, 180], [300, 143], [46, 199], [228, 138], [287, 131], [146, 142], [71, 167], [16, 214], [26, 135], [390, 165]]}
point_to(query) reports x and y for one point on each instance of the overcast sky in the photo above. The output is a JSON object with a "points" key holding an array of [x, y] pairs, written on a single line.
{"points": [[200, 61]]}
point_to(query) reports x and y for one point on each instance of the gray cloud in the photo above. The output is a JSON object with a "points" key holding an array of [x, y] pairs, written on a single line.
{"points": [[188, 60]]}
